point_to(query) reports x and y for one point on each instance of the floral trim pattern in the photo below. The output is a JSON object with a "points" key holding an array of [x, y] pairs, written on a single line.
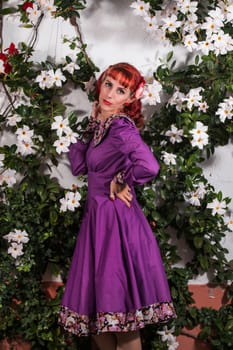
{"points": [[98, 129], [84, 325]]}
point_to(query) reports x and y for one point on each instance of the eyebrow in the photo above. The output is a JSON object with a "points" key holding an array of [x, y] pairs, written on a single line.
{"points": [[120, 87]]}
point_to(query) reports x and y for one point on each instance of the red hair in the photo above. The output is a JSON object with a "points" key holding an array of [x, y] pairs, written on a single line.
{"points": [[128, 76]]}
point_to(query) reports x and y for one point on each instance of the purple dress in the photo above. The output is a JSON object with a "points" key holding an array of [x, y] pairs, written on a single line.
{"points": [[116, 282]]}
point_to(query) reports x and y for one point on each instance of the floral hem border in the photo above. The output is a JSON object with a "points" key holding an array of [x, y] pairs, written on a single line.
{"points": [[84, 325]]}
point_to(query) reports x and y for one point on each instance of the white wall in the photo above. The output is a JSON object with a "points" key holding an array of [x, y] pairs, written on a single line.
{"points": [[113, 33]]}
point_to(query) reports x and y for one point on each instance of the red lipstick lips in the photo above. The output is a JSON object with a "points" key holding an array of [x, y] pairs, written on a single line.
{"points": [[107, 102]]}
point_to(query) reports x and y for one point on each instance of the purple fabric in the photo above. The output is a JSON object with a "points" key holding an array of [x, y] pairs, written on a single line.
{"points": [[116, 266]]}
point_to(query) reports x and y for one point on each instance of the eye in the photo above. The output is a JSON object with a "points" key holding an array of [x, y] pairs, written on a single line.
{"points": [[121, 91], [108, 84]]}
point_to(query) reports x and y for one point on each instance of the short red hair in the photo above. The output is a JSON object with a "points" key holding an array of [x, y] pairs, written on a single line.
{"points": [[128, 76]]}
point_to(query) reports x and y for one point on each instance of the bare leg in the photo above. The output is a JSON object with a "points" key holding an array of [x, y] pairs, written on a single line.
{"points": [[105, 341], [129, 341]]}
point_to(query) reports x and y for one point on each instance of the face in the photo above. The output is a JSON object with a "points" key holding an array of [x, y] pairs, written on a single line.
{"points": [[113, 96]]}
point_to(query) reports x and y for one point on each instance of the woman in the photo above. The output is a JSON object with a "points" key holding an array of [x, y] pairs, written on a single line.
{"points": [[116, 284]]}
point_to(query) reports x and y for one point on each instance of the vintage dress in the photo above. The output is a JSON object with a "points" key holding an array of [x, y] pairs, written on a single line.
{"points": [[116, 281]]}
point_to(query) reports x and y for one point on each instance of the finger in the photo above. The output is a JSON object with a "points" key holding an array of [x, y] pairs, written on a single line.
{"points": [[112, 190]]}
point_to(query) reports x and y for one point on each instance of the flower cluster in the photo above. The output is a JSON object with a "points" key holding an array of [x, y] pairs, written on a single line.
{"points": [[34, 10], [65, 133], [194, 196], [188, 101], [7, 176], [189, 26], [151, 93], [50, 78], [169, 338], [25, 144], [200, 136], [225, 109], [5, 66], [70, 201], [168, 158], [16, 238]]}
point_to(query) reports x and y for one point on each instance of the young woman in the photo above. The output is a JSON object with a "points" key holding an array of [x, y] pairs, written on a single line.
{"points": [[116, 284]]}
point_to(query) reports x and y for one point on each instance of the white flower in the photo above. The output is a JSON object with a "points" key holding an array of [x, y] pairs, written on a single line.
{"points": [[190, 42], [195, 196], [61, 125], [203, 106], [25, 147], [222, 43], [62, 145], [177, 99], [211, 25], [140, 8], [13, 120], [200, 137], [206, 46], [151, 93], [217, 207], [187, 6], [174, 134], [191, 25], [172, 343], [48, 6], [70, 67], [71, 135], [8, 177], [229, 222], [151, 24], [2, 157], [224, 111], [56, 77], [24, 134], [70, 202], [166, 334], [17, 236], [193, 97], [171, 23], [218, 16], [44, 79], [33, 13], [168, 158], [15, 250]]}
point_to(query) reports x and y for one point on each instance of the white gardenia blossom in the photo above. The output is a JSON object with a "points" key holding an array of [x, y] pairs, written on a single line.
{"points": [[71, 67], [166, 334], [151, 93], [200, 137], [172, 343], [47, 6], [8, 177], [177, 99], [33, 13], [171, 23], [25, 147], [225, 110], [13, 120], [218, 16], [194, 197], [218, 207], [24, 134], [17, 236], [168, 158], [211, 25], [57, 77], [187, 6], [193, 97], [71, 135], [2, 157], [140, 8], [15, 250], [190, 25], [229, 222], [222, 43], [175, 135], [62, 145], [61, 125], [44, 79], [190, 42], [203, 106], [206, 46], [71, 201], [151, 24]]}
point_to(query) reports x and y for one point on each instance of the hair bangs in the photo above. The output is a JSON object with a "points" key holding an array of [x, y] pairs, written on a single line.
{"points": [[124, 77]]}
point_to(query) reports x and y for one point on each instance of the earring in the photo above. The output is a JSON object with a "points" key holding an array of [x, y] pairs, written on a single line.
{"points": [[126, 104]]}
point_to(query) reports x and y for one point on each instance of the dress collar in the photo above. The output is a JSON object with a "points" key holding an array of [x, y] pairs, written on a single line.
{"points": [[100, 129]]}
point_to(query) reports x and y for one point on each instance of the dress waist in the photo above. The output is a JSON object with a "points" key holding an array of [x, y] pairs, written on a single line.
{"points": [[98, 184]]}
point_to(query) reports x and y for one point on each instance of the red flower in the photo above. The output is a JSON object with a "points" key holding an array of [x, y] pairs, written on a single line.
{"points": [[12, 49], [3, 57], [26, 5]]}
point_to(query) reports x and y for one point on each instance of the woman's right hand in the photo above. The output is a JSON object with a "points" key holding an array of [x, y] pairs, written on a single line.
{"points": [[123, 192]]}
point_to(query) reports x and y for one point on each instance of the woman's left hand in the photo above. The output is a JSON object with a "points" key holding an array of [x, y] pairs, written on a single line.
{"points": [[123, 192]]}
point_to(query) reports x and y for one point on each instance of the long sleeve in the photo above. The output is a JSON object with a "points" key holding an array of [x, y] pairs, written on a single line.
{"points": [[141, 165], [77, 157]]}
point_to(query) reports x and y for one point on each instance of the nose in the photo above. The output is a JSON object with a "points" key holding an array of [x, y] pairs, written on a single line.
{"points": [[110, 93]]}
